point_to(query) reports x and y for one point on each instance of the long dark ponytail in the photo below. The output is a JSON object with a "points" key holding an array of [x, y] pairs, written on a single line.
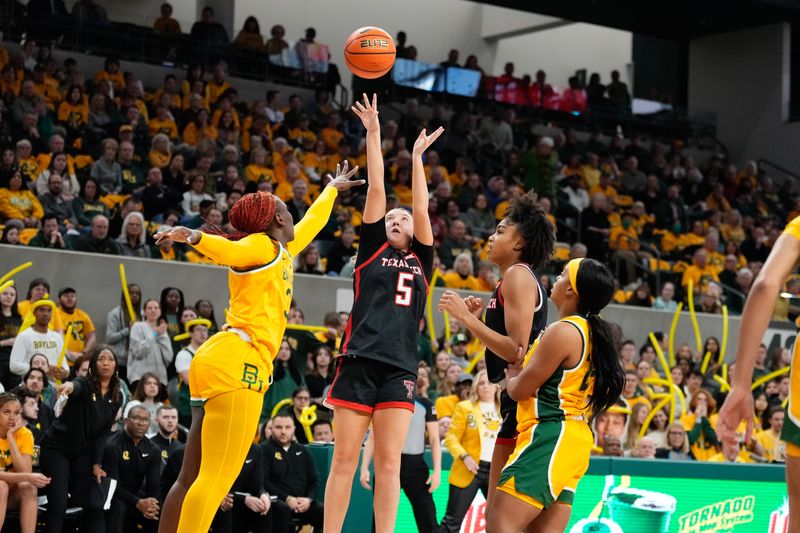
{"points": [[595, 286]]}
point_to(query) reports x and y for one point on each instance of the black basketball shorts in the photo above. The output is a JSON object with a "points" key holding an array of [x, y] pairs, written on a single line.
{"points": [[368, 385], [508, 411]]}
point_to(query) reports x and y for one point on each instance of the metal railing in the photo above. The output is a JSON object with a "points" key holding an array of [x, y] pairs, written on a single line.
{"points": [[141, 44], [782, 175]]}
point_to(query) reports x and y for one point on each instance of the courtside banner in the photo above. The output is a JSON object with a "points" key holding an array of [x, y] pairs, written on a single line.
{"points": [[678, 498]]}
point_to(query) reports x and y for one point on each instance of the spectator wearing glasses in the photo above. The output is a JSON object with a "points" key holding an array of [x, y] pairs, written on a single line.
{"points": [[301, 398], [677, 444], [135, 463]]}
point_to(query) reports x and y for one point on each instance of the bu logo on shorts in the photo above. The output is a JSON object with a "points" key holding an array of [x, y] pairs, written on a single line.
{"points": [[410, 386], [250, 377]]}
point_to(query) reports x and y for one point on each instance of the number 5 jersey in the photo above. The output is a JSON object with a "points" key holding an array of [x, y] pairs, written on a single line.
{"points": [[390, 291]]}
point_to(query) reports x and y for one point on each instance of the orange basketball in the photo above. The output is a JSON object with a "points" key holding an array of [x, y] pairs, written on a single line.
{"points": [[369, 52]]}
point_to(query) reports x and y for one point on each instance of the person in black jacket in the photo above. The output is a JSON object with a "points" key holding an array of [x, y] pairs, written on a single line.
{"points": [[342, 250], [98, 241], [291, 476], [157, 197], [72, 448], [247, 506], [165, 440], [595, 227], [135, 463]]}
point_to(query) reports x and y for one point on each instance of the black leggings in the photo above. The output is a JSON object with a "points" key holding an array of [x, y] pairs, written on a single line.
{"points": [[460, 499], [71, 475]]}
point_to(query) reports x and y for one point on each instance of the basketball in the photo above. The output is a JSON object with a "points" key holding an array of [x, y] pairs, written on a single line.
{"points": [[369, 52]]}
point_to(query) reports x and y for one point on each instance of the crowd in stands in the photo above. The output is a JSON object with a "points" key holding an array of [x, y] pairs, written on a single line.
{"points": [[96, 162]]}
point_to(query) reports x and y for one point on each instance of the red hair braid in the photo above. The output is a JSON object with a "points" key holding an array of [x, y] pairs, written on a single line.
{"points": [[252, 213]]}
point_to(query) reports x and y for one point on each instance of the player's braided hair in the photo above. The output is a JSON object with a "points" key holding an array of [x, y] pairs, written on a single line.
{"points": [[532, 222], [252, 213]]}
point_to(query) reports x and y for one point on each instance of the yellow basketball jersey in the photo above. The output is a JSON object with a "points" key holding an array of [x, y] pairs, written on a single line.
{"points": [[260, 276], [260, 298], [566, 393], [793, 228]]}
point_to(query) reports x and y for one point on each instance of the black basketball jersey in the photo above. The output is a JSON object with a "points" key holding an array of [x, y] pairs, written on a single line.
{"points": [[391, 289], [495, 318]]}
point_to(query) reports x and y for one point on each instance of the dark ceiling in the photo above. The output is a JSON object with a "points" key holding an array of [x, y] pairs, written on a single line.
{"points": [[674, 19]]}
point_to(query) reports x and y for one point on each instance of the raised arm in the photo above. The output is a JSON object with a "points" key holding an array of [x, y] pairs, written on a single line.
{"points": [[738, 405], [253, 250], [375, 207], [419, 188], [320, 211]]}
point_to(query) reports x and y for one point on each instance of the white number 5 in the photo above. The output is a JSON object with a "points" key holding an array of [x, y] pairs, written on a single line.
{"points": [[405, 282]]}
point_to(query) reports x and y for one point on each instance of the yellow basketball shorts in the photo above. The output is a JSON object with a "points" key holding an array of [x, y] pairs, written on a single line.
{"points": [[225, 363], [791, 424], [548, 462]]}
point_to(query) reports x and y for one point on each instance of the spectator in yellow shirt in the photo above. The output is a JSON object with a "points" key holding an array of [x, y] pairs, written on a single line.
{"points": [[590, 171], [218, 83], [696, 237], [28, 165], [160, 153], [302, 136], [163, 123], [715, 259], [487, 277], [696, 422], [199, 129], [640, 217], [19, 202], [73, 112], [82, 339], [432, 161], [331, 134], [461, 276], [604, 186], [111, 73], [461, 385], [38, 289], [165, 23], [732, 454], [249, 37], [732, 229], [259, 168], [716, 201], [770, 438], [402, 187], [700, 273], [624, 241]]}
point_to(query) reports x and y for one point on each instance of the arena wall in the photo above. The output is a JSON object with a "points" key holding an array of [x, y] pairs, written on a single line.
{"points": [[743, 78]]}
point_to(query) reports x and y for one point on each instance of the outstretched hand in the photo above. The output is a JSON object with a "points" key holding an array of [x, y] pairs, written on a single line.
{"points": [[368, 113], [424, 141], [177, 234], [342, 180]]}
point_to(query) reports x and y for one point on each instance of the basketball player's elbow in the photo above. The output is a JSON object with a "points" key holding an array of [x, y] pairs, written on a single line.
{"points": [[765, 287], [515, 391]]}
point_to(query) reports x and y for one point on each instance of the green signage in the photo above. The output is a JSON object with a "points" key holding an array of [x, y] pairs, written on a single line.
{"points": [[621, 503]]}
